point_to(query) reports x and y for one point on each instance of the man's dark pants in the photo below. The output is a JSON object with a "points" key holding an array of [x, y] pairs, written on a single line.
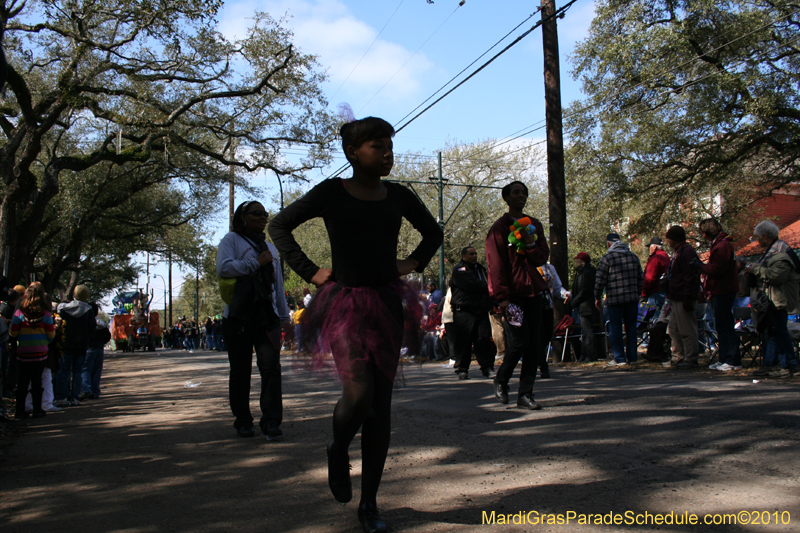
{"points": [[241, 339], [471, 325], [724, 322], [523, 343]]}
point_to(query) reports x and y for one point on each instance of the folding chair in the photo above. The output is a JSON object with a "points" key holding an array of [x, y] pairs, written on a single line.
{"points": [[572, 331], [749, 339], [645, 318], [707, 339]]}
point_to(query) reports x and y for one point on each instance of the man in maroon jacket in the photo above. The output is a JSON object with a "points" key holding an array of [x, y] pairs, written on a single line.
{"points": [[517, 287], [683, 293], [656, 267], [722, 283]]}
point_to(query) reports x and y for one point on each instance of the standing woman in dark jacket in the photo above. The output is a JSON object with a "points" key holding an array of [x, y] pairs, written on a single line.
{"points": [[253, 318], [583, 302], [722, 283], [470, 304], [358, 311]]}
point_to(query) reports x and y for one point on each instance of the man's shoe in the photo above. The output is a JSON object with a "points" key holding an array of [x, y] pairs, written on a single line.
{"points": [[527, 402], [725, 367], [39, 414], [339, 477], [669, 364], [463, 375], [500, 392], [86, 396], [764, 372], [74, 403], [61, 403], [487, 372], [614, 363], [246, 430], [272, 431], [53, 409], [545, 374], [716, 366], [370, 518], [782, 373], [687, 364]]}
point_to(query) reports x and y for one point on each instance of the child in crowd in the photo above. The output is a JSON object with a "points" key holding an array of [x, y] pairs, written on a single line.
{"points": [[33, 327], [358, 312]]}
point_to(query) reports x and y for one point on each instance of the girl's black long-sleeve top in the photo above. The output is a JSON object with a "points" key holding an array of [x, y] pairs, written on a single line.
{"points": [[363, 233]]}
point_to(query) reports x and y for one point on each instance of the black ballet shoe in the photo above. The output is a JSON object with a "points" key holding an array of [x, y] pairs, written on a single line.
{"points": [[339, 476], [370, 518]]}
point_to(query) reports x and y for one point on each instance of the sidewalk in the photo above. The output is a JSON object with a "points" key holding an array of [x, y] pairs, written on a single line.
{"points": [[155, 455]]}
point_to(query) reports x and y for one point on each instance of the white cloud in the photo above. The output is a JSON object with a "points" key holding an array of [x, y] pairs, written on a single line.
{"points": [[327, 29]]}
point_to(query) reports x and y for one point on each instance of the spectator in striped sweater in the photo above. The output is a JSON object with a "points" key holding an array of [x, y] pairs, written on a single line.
{"points": [[33, 327]]}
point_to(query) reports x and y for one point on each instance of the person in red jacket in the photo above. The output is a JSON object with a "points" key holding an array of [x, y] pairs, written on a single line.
{"points": [[656, 267], [517, 287], [722, 283], [683, 293]]}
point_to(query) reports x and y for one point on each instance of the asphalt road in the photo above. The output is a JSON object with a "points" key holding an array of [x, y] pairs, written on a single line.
{"points": [[158, 454]]}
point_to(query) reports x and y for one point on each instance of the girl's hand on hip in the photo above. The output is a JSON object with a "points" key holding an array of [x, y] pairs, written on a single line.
{"points": [[406, 266], [322, 276]]}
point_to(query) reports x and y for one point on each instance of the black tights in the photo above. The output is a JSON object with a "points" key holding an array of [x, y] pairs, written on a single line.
{"points": [[366, 403]]}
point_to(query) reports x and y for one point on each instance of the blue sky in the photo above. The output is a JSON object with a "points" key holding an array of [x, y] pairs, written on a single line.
{"points": [[388, 73]]}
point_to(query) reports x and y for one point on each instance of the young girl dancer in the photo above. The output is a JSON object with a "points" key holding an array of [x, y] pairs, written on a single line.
{"points": [[33, 327], [358, 313]]}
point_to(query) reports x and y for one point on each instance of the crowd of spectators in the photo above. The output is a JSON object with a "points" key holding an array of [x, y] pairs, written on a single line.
{"points": [[52, 357], [692, 300]]}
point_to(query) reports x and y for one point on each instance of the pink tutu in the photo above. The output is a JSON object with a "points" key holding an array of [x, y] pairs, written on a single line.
{"points": [[361, 326]]}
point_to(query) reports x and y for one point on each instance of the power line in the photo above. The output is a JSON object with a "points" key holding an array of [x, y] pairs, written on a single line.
{"points": [[503, 38], [536, 125], [558, 13], [410, 58], [368, 49], [397, 130]]}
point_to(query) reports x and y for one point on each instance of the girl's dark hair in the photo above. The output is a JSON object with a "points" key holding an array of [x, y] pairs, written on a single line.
{"points": [[366, 129], [238, 215], [506, 192], [35, 301]]}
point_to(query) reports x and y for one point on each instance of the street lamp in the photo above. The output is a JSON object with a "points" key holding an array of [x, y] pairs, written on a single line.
{"points": [[165, 298]]}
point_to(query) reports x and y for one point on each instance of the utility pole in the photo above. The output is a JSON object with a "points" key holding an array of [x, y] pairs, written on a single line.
{"points": [[230, 199], [169, 259], [555, 146], [441, 225], [197, 292], [230, 186]]}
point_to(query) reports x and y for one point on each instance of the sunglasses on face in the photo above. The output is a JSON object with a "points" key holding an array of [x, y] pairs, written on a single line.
{"points": [[257, 213]]}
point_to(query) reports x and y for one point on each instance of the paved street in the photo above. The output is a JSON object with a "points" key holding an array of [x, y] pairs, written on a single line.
{"points": [[158, 454]]}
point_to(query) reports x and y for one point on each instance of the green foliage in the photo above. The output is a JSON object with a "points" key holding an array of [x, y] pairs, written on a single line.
{"points": [[122, 122], [687, 100]]}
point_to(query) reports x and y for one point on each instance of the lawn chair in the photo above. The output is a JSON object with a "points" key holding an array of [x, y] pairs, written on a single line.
{"points": [[707, 339], [565, 334], [749, 339], [645, 320]]}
